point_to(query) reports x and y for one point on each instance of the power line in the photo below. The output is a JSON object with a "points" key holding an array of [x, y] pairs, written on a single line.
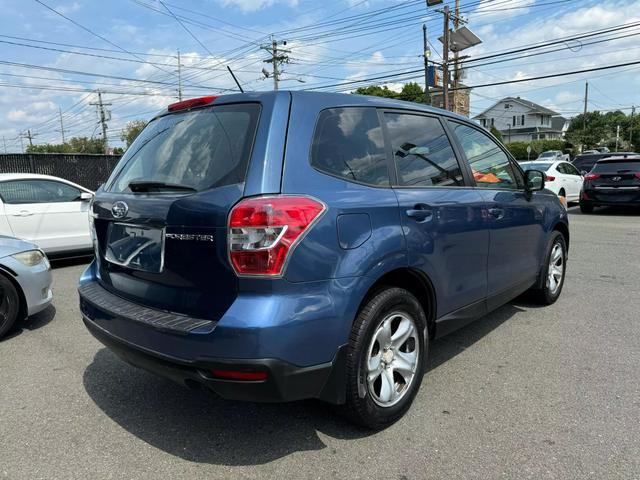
{"points": [[199, 42]]}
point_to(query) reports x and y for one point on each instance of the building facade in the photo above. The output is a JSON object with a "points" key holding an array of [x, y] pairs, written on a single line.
{"points": [[520, 120]]}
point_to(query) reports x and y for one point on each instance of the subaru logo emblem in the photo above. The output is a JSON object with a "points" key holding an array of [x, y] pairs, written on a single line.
{"points": [[119, 209]]}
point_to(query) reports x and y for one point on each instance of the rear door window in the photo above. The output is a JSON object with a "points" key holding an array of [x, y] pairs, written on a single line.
{"points": [[200, 149], [348, 143], [422, 153]]}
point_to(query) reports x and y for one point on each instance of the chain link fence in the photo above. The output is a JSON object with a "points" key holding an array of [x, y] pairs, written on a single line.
{"points": [[90, 171]]}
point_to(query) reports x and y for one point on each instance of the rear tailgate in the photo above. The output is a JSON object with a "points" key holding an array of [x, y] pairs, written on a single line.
{"points": [[164, 244], [616, 181]]}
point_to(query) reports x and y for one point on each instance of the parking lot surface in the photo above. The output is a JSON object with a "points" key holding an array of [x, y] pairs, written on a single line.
{"points": [[526, 392]]}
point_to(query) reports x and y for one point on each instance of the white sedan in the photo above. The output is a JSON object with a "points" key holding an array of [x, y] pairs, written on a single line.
{"points": [[48, 211], [562, 178]]}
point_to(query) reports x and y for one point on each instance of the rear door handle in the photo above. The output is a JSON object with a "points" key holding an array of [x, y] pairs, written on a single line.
{"points": [[496, 213], [23, 213], [420, 212]]}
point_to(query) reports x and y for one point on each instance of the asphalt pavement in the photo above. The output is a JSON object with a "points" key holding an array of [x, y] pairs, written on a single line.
{"points": [[526, 392]]}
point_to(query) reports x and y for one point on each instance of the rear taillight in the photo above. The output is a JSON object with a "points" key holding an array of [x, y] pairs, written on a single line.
{"points": [[264, 230], [549, 178], [637, 175], [592, 176]]}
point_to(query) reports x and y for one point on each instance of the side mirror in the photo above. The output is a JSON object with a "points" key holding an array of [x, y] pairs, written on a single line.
{"points": [[534, 180], [86, 196]]}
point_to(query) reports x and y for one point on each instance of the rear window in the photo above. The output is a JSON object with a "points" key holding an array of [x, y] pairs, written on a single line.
{"points": [[543, 167], [348, 143], [617, 167], [199, 149]]}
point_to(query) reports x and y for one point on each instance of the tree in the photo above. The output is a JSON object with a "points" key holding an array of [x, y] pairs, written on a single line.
{"points": [[411, 92], [74, 145], [597, 129], [131, 131], [496, 133]]}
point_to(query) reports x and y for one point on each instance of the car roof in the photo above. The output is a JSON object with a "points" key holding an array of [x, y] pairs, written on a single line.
{"points": [[4, 177], [331, 99], [621, 158]]}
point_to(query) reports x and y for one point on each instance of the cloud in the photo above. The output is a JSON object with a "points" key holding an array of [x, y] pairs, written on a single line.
{"points": [[254, 5], [66, 9], [488, 11]]}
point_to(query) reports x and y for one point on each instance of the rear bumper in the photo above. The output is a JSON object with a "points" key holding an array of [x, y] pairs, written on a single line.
{"points": [[294, 332], [284, 382], [628, 198]]}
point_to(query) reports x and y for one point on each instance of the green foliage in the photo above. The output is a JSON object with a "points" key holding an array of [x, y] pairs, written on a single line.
{"points": [[496, 133], [131, 131], [118, 151], [74, 145], [519, 149], [601, 130], [411, 92]]}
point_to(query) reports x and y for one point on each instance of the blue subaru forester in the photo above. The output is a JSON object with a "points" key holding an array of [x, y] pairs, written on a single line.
{"points": [[289, 245]]}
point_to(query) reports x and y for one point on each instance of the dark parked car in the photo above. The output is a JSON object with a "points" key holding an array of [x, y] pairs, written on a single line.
{"points": [[613, 181], [291, 245], [585, 162]]}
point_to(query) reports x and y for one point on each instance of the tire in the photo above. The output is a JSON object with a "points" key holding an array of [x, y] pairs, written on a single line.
{"points": [[586, 207], [377, 397], [9, 305], [551, 290]]}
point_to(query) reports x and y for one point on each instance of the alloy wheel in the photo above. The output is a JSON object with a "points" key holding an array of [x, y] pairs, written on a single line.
{"points": [[556, 269], [392, 360]]}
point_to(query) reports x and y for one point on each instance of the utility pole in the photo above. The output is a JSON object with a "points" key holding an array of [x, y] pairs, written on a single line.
{"points": [[425, 45], [4, 142], [62, 130], [584, 115], [456, 64], [21, 144], [445, 60], [179, 77], [278, 57], [28, 135], [617, 136], [102, 112], [633, 111]]}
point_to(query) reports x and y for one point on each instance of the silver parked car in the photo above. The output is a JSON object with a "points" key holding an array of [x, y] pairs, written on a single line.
{"points": [[25, 281]]}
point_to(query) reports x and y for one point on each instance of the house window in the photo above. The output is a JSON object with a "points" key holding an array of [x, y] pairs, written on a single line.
{"points": [[483, 122], [492, 122], [541, 136], [514, 121], [522, 120], [541, 119], [518, 120]]}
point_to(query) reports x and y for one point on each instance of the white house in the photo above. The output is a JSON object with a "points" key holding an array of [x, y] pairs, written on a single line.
{"points": [[520, 120]]}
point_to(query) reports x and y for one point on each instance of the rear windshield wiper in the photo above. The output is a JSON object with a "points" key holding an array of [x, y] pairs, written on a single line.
{"points": [[150, 186]]}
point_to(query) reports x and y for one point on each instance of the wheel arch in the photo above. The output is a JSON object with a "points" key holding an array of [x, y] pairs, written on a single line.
{"points": [[563, 228], [416, 282], [10, 275]]}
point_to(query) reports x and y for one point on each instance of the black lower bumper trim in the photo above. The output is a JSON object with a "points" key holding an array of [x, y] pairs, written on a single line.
{"points": [[285, 382]]}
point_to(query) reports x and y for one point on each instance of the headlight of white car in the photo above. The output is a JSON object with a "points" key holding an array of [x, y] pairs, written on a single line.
{"points": [[30, 258]]}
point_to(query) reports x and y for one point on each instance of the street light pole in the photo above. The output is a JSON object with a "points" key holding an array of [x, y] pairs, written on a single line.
{"points": [[427, 96], [445, 60]]}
